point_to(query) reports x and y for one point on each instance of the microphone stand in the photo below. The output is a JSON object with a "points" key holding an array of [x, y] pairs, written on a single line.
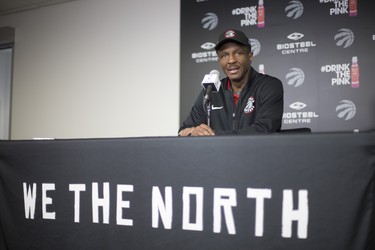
{"points": [[208, 108], [207, 104]]}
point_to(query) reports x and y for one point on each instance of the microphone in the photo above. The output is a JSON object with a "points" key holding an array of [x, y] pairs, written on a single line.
{"points": [[212, 80], [211, 83]]}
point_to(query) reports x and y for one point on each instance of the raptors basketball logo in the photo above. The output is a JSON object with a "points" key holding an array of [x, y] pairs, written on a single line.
{"points": [[249, 105]]}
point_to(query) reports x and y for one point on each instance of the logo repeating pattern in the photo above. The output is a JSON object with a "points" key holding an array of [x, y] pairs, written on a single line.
{"points": [[255, 46], [210, 21], [299, 114], [341, 7], [344, 38], [294, 9], [295, 77], [296, 45], [317, 48], [346, 110]]}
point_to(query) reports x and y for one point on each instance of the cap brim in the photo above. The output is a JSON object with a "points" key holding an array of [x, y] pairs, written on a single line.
{"points": [[217, 46]]}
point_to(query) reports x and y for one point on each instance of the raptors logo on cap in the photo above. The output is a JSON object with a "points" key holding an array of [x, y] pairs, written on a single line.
{"points": [[230, 34]]}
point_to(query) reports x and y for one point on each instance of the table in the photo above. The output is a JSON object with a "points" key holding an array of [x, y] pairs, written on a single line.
{"points": [[302, 191]]}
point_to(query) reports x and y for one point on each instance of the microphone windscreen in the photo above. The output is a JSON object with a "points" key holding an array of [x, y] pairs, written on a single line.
{"points": [[214, 72]]}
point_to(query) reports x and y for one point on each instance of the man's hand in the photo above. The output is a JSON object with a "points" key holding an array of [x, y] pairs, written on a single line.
{"points": [[201, 130]]}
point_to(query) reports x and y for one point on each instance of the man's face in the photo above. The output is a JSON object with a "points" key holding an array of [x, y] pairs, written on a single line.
{"points": [[235, 60]]}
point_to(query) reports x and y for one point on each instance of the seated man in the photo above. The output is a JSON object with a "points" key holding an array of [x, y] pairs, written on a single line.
{"points": [[247, 103]]}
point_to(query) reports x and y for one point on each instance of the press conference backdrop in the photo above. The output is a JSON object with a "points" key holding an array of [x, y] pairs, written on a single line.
{"points": [[322, 50]]}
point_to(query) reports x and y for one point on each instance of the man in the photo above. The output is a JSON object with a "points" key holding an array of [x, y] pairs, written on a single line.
{"points": [[247, 103]]}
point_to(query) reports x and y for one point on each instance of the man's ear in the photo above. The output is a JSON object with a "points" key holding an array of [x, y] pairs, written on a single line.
{"points": [[251, 57]]}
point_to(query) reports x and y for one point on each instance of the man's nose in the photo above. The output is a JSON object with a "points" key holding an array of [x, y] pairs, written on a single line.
{"points": [[232, 58]]}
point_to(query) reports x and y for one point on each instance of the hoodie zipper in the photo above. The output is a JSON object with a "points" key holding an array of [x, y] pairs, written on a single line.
{"points": [[234, 115], [233, 111], [235, 124], [234, 121]]}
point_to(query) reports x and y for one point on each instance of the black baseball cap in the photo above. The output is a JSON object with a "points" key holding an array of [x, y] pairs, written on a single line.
{"points": [[232, 35]]}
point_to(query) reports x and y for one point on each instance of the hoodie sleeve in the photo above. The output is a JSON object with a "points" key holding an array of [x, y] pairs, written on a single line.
{"points": [[197, 114]]}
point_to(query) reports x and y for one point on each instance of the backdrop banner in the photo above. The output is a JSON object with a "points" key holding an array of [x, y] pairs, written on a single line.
{"points": [[322, 50], [251, 192]]}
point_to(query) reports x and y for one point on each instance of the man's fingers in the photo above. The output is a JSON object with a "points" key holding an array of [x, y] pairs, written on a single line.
{"points": [[203, 130], [186, 132]]}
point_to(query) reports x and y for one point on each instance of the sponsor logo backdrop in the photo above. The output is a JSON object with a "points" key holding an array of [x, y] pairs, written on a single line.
{"points": [[322, 50]]}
